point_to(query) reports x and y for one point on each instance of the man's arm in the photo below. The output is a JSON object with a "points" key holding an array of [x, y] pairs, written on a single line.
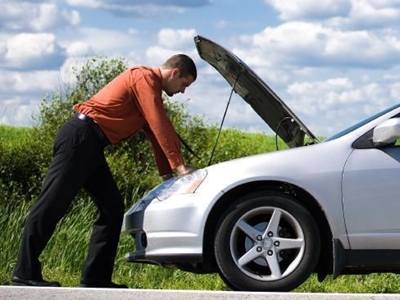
{"points": [[147, 91], [163, 166]]}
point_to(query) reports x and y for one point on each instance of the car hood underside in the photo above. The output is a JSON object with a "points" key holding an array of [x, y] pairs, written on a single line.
{"points": [[255, 92]]}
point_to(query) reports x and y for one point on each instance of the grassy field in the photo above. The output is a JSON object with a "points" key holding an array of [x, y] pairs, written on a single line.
{"points": [[10, 134], [64, 256]]}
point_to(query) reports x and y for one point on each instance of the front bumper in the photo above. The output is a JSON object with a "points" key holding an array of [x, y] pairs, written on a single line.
{"points": [[166, 232]]}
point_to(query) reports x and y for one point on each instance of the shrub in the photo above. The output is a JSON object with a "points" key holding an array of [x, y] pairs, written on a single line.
{"points": [[22, 166]]}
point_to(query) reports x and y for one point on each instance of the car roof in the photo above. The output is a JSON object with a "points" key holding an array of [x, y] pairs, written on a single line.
{"points": [[265, 102]]}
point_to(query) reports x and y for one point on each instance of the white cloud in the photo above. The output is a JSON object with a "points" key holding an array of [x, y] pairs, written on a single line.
{"points": [[143, 9], [22, 92], [127, 5], [18, 112], [79, 49], [176, 39], [73, 16], [182, 43], [395, 90], [27, 16], [37, 82], [85, 3], [321, 46], [355, 14], [309, 9], [31, 50], [104, 42], [337, 102]]}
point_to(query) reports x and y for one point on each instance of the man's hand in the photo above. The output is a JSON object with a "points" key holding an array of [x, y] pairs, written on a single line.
{"points": [[185, 169]]}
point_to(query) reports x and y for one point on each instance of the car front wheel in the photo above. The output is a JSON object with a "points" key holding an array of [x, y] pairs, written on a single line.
{"points": [[267, 241]]}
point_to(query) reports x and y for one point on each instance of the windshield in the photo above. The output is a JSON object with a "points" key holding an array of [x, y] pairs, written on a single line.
{"points": [[359, 124]]}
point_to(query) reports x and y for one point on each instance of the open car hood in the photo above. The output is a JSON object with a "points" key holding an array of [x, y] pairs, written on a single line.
{"points": [[256, 92]]}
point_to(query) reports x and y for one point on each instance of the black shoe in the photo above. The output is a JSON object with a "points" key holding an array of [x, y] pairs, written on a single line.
{"points": [[38, 283], [103, 284]]}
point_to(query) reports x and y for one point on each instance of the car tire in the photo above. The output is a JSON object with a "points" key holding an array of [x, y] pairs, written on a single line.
{"points": [[266, 241]]}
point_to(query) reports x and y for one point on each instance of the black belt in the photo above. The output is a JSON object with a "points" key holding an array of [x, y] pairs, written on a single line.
{"points": [[92, 124]]}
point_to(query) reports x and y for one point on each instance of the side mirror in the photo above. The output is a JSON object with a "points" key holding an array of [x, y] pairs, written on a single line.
{"points": [[386, 132]]}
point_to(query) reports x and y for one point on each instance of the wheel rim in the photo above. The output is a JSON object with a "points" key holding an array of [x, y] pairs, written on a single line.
{"points": [[267, 243]]}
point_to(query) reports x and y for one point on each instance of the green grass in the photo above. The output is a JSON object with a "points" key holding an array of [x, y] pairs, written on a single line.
{"points": [[11, 134]]}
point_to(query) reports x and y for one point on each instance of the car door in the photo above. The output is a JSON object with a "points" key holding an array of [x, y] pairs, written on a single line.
{"points": [[371, 198]]}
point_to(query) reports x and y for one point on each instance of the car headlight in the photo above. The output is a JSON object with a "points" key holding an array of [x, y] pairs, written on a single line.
{"points": [[176, 185], [185, 184]]}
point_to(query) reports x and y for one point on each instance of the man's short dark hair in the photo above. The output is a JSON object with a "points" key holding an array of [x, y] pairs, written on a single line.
{"points": [[184, 63]]}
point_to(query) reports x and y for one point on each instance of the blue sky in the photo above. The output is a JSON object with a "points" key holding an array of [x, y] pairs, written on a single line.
{"points": [[333, 63]]}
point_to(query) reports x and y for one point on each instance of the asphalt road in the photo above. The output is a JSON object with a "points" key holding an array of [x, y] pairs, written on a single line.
{"points": [[21, 293]]}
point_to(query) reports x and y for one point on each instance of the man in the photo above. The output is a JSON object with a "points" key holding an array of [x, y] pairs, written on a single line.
{"points": [[129, 103]]}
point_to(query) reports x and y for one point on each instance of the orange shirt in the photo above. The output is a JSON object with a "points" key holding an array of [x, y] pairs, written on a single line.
{"points": [[131, 102]]}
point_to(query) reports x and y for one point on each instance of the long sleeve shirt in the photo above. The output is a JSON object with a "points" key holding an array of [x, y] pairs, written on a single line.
{"points": [[131, 102]]}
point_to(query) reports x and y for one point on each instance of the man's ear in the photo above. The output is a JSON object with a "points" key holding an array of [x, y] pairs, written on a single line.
{"points": [[175, 71]]}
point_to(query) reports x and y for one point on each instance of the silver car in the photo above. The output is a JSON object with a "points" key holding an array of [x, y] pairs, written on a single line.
{"points": [[266, 222]]}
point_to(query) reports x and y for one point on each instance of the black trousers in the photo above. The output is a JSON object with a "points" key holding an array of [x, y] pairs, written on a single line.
{"points": [[78, 162]]}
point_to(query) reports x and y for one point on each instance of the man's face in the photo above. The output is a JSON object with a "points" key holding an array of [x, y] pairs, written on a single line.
{"points": [[177, 84]]}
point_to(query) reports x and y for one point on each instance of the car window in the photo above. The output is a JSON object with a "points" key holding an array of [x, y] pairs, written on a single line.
{"points": [[359, 124]]}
